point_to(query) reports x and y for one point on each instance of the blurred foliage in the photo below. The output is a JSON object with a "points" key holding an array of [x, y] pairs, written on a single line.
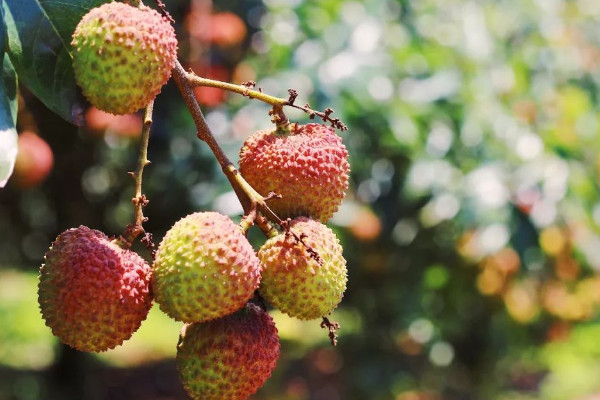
{"points": [[472, 228]]}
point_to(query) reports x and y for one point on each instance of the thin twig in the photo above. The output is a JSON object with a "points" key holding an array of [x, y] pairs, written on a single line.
{"points": [[139, 200], [279, 118]]}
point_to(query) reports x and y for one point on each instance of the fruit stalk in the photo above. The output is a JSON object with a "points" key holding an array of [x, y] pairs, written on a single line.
{"points": [[277, 102], [139, 199], [246, 90]]}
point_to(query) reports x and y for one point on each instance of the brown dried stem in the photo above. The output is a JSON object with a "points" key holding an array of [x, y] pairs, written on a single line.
{"points": [[332, 327], [139, 200]]}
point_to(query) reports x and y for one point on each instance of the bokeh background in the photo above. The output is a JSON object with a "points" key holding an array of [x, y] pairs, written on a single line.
{"points": [[471, 227]]}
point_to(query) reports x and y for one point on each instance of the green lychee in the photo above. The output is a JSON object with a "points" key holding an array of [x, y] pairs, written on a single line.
{"points": [[308, 166], [122, 56], [230, 357], [304, 273], [92, 293], [205, 268]]}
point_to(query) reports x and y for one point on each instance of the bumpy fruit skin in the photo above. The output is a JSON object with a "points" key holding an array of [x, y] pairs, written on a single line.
{"points": [[92, 293], [228, 358], [204, 268], [308, 167], [301, 284], [122, 56]]}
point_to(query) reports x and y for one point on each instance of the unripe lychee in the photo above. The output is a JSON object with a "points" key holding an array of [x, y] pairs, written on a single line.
{"points": [[122, 56], [307, 166], [92, 293], [204, 268], [304, 275], [230, 357]]}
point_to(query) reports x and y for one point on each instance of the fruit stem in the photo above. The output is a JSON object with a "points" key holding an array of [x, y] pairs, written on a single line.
{"points": [[244, 89], [139, 200], [204, 133], [278, 103], [332, 327]]}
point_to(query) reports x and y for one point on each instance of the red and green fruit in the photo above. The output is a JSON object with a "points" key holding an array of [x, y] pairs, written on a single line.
{"points": [[304, 275], [122, 56], [205, 268], [306, 165], [92, 293], [230, 357]]}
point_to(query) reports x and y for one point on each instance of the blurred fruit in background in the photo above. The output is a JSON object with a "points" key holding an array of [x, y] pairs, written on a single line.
{"points": [[99, 122], [34, 160]]}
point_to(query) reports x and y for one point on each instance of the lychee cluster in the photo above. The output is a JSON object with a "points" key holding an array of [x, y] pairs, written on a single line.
{"points": [[122, 56], [94, 294]]}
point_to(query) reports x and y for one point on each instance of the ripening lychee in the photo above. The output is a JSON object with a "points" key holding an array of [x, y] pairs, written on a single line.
{"points": [[92, 293], [304, 275], [34, 160], [122, 56], [204, 268], [230, 357], [307, 166]]}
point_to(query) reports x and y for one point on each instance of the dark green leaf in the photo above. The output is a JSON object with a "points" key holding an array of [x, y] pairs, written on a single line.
{"points": [[8, 112], [64, 15]]}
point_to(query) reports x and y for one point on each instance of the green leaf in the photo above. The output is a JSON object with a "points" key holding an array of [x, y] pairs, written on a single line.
{"points": [[66, 14], [8, 112], [41, 54]]}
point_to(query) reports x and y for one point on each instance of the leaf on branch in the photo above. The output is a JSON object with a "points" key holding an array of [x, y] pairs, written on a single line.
{"points": [[8, 113], [39, 36], [64, 15]]}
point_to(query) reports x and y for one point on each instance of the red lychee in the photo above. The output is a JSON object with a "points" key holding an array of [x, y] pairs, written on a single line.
{"points": [[100, 122], [92, 293], [308, 166], [34, 160], [230, 357]]}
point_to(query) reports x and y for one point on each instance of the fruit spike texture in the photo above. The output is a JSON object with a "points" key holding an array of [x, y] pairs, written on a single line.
{"points": [[308, 167], [92, 293], [205, 268], [304, 279], [122, 56], [230, 357]]}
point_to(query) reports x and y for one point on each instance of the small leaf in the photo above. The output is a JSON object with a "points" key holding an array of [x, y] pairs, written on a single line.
{"points": [[8, 112], [42, 58]]}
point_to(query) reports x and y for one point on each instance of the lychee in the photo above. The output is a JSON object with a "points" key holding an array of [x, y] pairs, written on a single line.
{"points": [[205, 268], [92, 293], [230, 357], [122, 56], [307, 166], [304, 271], [34, 160]]}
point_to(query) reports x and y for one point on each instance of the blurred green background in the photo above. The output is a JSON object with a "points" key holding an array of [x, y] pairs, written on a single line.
{"points": [[471, 227]]}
